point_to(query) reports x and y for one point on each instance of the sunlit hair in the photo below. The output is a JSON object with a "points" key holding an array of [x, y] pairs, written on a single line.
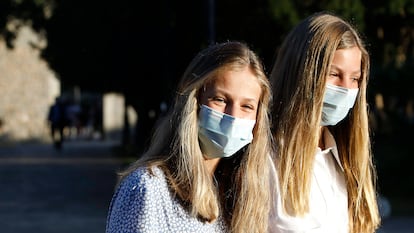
{"points": [[175, 147], [298, 80]]}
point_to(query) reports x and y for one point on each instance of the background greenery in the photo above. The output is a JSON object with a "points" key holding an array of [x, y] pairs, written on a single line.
{"points": [[106, 45]]}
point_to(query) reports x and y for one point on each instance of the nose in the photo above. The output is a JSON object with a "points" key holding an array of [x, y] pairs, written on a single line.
{"points": [[232, 111]]}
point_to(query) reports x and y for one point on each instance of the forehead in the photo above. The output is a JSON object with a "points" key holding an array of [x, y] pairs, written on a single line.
{"points": [[238, 82], [349, 59]]}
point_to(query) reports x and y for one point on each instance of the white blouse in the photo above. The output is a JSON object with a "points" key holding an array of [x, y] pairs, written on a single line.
{"points": [[328, 202]]}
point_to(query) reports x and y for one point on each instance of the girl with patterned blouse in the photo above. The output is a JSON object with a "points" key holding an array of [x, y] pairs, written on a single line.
{"points": [[207, 167]]}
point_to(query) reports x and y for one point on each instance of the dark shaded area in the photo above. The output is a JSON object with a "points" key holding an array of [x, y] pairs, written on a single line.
{"points": [[49, 191], [135, 48]]}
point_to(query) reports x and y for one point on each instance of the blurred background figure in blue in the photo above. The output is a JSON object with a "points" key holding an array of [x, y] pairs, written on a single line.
{"points": [[57, 121]]}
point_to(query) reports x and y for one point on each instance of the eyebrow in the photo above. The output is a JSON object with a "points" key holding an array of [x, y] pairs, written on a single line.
{"points": [[359, 71], [252, 100]]}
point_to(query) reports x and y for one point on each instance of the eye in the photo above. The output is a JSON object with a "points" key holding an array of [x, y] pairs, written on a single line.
{"points": [[249, 107], [333, 74], [218, 100], [356, 77]]}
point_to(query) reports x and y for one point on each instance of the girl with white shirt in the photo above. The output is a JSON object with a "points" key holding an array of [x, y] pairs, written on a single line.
{"points": [[325, 178]]}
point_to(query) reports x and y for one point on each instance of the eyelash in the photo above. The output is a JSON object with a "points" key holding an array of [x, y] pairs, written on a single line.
{"points": [[248, 107], [357, 79], [223, 100], [218, 99]]}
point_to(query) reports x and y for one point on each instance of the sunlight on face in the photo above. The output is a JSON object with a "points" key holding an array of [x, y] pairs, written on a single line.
{"points": [[234, 92], [345, 70]]}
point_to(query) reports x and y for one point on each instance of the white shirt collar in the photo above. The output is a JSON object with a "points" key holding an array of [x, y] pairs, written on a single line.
{"points": [[330, 145]]}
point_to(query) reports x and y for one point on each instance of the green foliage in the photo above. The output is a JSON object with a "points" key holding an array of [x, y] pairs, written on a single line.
{"points": [[353, 10], [284, 11], [291, 12], [396, 7]]}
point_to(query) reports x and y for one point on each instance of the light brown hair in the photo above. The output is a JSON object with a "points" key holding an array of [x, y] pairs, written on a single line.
{"points": [[298, 81], [175, 147]]}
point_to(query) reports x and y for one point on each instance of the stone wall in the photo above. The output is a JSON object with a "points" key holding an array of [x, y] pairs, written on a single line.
{"points": [[28, 87]]}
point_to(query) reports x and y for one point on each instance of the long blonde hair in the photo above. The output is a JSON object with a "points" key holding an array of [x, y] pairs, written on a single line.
{"points": [[175, 147], [298, 80]]}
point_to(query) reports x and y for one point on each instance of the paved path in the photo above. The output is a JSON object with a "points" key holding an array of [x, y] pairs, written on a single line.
{"points": [[68, 191], [46, 191]]}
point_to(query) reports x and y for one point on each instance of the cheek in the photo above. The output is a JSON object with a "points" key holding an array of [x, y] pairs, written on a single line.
{"points": [[331, 81], [354, 86], [251, 115]]}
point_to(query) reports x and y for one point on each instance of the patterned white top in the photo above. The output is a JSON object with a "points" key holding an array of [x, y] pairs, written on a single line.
{"points": [[143, 203]]}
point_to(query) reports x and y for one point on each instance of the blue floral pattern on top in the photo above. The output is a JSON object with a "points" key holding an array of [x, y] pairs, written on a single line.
{"points": [[143, 203]]}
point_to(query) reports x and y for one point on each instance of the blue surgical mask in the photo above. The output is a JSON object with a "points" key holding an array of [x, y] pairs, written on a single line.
{"points": [[222, 135], [337, 103]]}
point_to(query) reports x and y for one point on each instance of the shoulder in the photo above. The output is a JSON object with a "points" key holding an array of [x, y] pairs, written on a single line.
{"points": [[136, 199], [139, 188], [142, 180]]}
